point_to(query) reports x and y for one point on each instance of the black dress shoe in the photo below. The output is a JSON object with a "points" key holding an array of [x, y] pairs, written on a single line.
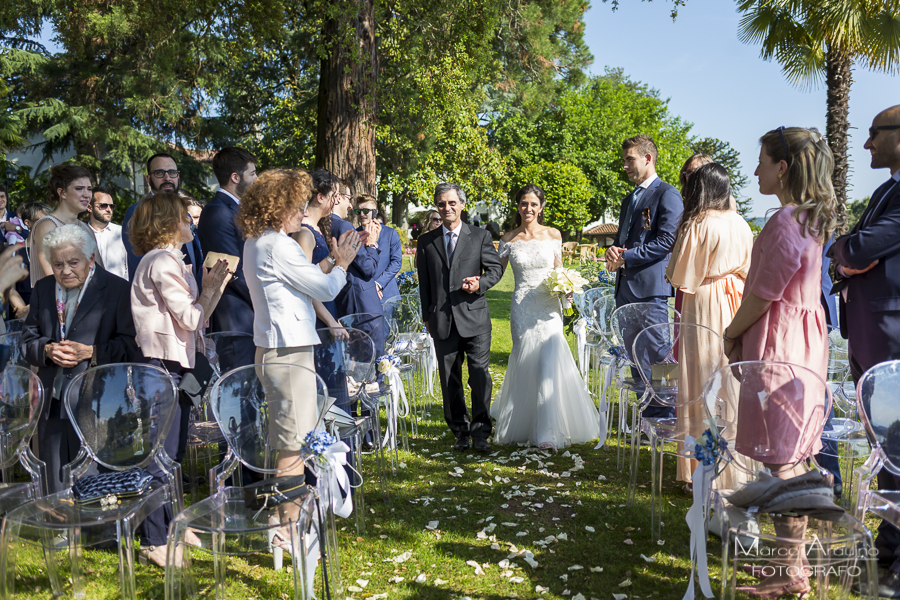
{"points": [[888, 586], [462, 444], [481, 445]]}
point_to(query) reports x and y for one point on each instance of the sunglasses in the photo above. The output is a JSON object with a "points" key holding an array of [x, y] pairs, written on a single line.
{"points": [[436, 220], [104, 206], [873, 131], [365, 211]]}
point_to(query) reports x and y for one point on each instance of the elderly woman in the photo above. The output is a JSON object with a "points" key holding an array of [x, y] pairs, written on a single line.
{"points": [[80, 317], [283, 284], [169, 315]]}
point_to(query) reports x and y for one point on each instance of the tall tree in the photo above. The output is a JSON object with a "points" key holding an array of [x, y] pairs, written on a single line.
{"points": [[821, 40]]}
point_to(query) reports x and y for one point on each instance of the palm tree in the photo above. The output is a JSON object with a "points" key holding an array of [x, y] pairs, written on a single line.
{"points": [[822, 39]]}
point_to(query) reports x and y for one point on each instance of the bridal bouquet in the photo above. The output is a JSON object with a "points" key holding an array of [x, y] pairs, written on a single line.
{"points": [[562, 282]]}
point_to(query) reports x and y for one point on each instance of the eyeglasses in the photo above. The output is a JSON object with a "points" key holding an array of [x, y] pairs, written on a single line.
{"points": [[436, 220], [784, 145], [873, 131], [104, 206], [365, 211], [160, 173]]}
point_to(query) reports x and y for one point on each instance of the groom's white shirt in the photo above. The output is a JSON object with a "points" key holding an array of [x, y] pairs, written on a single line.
{"points": [[445, 231]]}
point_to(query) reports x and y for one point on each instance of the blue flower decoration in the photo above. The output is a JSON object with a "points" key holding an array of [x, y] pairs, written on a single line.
{"points": [[605, 277], [391, 358], [709, 448], [617, 351], [319, 441]]}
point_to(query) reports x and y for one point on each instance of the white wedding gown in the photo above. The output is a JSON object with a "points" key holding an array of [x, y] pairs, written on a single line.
{"points": [[543, 399]]}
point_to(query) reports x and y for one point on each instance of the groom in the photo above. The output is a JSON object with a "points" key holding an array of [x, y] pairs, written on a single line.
{"points": [[457, 264]]}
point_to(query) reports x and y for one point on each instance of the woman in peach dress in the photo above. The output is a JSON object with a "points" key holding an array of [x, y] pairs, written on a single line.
{"points": [[782, 319], [709, 263]]}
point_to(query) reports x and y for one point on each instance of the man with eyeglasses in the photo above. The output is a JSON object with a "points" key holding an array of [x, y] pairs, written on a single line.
{"points": [[390, 251], [108, 234], [867, 273]]}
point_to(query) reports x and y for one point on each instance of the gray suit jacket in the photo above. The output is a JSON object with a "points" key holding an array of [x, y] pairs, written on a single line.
{"points": [[443, 301]]}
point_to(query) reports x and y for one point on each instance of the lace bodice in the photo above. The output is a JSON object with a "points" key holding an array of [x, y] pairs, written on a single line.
{"points": [[535, 310]]}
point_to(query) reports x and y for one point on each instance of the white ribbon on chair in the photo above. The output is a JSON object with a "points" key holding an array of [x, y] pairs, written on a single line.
{"points": [[430, 366], [335, 456], [612, 369], [696, 521], [387, 366], [580, 330]]}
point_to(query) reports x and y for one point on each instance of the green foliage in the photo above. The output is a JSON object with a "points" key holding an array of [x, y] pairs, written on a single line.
{"points": [[855, 211], [566, 189]]}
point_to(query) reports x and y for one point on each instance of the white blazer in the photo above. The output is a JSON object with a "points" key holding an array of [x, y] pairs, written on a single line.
{"points": [[282, 284]]}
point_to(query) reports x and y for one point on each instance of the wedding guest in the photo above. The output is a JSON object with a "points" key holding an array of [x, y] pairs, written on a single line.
{"points": [[169, 315], [432, 220], [390, 251], [70, 187], [80, 317], [710, 261], [781, 318], [283, 284], [108, 234], [195, 209], [13, 229], [694, 162], [868, 278], [12, 271], [20, 297]]}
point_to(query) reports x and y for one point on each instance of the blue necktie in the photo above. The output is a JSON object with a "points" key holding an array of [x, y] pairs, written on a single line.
{"points": [[629, 213]]}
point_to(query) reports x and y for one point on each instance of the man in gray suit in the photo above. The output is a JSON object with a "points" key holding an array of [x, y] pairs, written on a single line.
{"points": [[458, 265], [867, 270]]}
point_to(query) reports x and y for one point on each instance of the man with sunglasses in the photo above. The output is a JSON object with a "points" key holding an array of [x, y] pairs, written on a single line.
{"points": [[867, 273], [108, 234], [387, 243]]}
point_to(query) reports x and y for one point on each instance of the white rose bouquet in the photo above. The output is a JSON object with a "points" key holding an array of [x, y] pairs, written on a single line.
{"points": [[563, 282]]}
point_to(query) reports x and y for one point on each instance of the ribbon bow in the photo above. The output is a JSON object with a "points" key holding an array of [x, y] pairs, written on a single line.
{"points": [[388, 365], [328, 455]]}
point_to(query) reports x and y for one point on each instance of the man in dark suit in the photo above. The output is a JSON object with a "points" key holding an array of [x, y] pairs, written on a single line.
{"points": [[458, 265], [235, 170], [390, 251], [98, 329], [162, 176], [867, 269], [648, 221]]}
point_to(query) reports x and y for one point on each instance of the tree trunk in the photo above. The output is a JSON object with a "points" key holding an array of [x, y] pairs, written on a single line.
{"points": [[838, 78], [345, 140], [400, 210]]}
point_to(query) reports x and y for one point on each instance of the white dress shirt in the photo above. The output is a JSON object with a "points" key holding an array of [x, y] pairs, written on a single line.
{"points": [[282, 284], [112, 249], [230, 195]]}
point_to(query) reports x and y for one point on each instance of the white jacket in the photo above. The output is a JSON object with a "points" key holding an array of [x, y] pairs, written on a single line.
{"points": [[282, 284]]}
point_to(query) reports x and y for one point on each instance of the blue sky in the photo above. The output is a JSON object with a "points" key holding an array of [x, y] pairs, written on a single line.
{"points": [[723, 87]]}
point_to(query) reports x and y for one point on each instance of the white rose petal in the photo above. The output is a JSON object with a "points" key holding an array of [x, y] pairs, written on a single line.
{"points": [[562, 536], [420, 578], [521, 534], [566, 593], [649, 559], [362, 582], [596, 569], [576, 568], [396, 579], [601, 478], [628, 542], [589, 529], [476, 566], [578, 597], [540, 589], [440, 581], [625, 583], [400, 558], [353, 588], [517, 579], [620, 596], [432, 525], [503, 564]]}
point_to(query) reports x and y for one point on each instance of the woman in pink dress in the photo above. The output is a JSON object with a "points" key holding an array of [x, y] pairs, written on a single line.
{"points": [[781, 319]]}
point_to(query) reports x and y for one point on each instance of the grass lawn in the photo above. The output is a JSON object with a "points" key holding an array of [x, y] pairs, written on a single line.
{"points": [[574, 520]]}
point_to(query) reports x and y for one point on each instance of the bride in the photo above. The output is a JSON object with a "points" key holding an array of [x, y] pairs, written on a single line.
{"points": [[543, 399]]}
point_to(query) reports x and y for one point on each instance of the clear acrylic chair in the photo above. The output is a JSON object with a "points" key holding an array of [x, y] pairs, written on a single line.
{"points": [[599, 326], [121, 413], [424, 352], [674, 361], [289, 401], [589, 360], [627, 322], [409, 342], [10, 350], [21, 402], [776, 400], [345, 359]]}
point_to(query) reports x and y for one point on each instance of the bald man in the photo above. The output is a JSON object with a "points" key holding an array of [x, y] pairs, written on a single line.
{"points": [[867, 269]]}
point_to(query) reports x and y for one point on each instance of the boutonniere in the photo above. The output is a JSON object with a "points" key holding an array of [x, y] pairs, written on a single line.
{"points": [[646, 215]]}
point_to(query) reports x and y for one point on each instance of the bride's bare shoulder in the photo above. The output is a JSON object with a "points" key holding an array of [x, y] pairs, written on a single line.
{"points": [[510, 235]]}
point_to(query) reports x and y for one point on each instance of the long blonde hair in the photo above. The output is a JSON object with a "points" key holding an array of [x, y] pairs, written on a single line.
{"points": [[808, 178]]}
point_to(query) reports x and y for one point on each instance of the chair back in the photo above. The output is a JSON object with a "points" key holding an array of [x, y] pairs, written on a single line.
{"points": [[122, 413], [227, 350], [15, 326], [599, 321], [345, 358], [376, 326], [774, 400], [10, 350], [631, 319], [263, 409], [880, 412], [585, 300], [21, 402], [657, 351]]}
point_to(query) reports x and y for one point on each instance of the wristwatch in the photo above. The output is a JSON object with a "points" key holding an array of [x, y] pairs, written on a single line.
{"points": [[331, 259]]}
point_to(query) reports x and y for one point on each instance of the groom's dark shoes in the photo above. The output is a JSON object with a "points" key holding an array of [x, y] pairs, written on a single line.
{"points": [[481, 445], [462, 443]]}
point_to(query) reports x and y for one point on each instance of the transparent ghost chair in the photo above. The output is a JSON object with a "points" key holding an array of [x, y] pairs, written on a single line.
{"points": [[425, 353], [674, 361], [599, 325], [10, 352], [345, 357], [590, 345], [21, 402], [411, 344], [122, 413], [289, 401], [394, 310], [627, 322], [794, 540]]}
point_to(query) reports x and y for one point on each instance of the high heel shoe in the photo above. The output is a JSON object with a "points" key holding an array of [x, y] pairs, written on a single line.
{"points": [[788, 589]]}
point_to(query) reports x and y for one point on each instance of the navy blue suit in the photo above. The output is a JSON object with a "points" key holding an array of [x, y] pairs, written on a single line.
{"points": [[646, 255], [870, 316], [390, 261], [193, 254], [219, 232], [360, 295]]}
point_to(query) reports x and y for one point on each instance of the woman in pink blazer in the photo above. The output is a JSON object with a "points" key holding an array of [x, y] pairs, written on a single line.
{"points": [[169, 318]]}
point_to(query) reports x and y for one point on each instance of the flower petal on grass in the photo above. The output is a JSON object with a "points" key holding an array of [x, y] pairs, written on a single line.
{"points": [[648, 559], [476, 566], [421, 577]]}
